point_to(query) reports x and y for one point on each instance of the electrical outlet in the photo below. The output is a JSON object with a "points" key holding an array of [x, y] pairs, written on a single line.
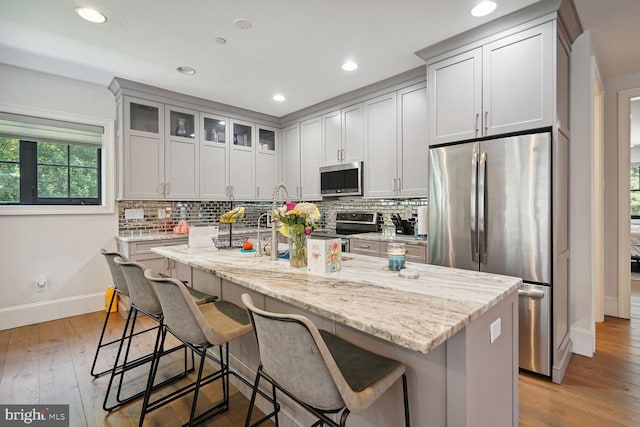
{"points": [[41, 284], [495, 330], [162, 213]]}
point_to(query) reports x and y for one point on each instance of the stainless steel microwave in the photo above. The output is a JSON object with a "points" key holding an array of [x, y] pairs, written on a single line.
{"points": [[341, 180]]}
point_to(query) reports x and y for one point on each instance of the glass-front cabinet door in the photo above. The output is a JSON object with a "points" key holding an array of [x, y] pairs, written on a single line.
{"points": [[266, 138], [141, 170], [242, 134], [214, 157], [266, 162], [182, 151]]}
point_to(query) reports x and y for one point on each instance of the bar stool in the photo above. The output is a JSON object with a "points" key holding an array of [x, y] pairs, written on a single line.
{"points": [[121, 288], [322, 372], [145, 301], [200, 327]]}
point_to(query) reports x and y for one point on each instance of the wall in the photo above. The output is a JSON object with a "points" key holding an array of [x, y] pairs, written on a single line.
{"points": [[581, 198], [63, 248], [611, 88]]}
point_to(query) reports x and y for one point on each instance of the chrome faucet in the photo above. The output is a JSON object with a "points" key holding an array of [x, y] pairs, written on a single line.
{"points": [[274, 240], [259, 249]]}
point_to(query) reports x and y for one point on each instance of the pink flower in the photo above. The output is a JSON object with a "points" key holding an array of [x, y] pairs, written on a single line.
{"points": [[290, 206], [308, 230]]}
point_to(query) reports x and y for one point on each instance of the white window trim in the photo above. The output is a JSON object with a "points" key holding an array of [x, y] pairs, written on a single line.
{"points": [[108, 166]]}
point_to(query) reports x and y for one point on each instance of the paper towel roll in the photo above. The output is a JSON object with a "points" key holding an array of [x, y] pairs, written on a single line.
{"points": [[423, 220]]}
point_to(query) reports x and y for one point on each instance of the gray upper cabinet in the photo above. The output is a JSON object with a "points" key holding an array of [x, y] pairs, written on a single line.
{"points": [[242, 176], [310, 158], [503, 86], [290, 160], [331, 137], [266, 162], [182, 154], [352, 134], [396, 147], [141, 150], [214, 157]]}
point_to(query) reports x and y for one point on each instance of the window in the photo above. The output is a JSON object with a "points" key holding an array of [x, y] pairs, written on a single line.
{"points": [[635, 191], [49, 162]]}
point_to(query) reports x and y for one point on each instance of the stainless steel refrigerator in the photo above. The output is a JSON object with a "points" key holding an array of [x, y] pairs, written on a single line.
{"points": [[490, 210]]}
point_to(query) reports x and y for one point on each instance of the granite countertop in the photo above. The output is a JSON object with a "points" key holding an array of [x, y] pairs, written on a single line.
{"points": [[418, 314], [137, 236], [398, 238]]}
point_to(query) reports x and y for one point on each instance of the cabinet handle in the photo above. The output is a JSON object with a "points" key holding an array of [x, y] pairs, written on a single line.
{"points": [[167, 188], [393, 184], [477, 118], [342, 154], [399, 184], [257, 191], [363, 246], [486, 122], [338, 154]]}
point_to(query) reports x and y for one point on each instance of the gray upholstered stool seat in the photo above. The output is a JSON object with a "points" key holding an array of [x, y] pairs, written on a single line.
{"points": [[200, 327], [320, 371]]}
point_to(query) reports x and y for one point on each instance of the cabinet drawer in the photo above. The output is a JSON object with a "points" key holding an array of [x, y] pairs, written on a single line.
{"points": [[414, 253], [366, 247]]}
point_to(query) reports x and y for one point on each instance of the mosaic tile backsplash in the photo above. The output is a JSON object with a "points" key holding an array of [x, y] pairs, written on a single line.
{"points": [[201, 213]]}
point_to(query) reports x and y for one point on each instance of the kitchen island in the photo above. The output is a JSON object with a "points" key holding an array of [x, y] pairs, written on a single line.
{"points": [[454, 329]]}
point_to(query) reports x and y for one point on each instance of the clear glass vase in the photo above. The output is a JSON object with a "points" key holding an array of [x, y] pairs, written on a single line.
{"points": [[298, 250]]}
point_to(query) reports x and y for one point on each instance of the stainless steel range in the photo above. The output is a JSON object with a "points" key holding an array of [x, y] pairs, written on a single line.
{"points": [[348, 223]]}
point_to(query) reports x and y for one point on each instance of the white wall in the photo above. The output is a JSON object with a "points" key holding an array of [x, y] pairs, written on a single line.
{"points": [[611, 168], [581, 197], [63, 248]]}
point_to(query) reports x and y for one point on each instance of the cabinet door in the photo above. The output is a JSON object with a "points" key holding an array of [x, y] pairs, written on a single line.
{"points": [[143, 150], [380, 175], [413, 146], [518, 81], [266, 175], [352, 133], [310, 158], [242, 161], [214, 157], [290, 160], [266, 163], [182, 153], [331, 137], [455, 103]]}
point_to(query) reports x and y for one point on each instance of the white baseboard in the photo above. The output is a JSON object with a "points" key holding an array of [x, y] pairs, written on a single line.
{"points": [[44, 311], [583, 341], [611, 306]]}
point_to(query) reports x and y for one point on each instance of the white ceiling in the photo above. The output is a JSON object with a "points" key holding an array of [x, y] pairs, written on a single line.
{"points": [[295, 47]]}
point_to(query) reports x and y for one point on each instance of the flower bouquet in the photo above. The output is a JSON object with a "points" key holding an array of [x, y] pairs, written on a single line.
{"points": [[296, 222]]}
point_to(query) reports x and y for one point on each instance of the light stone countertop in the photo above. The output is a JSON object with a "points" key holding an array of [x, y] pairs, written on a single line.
{"points": [[401, 238], [418, 314]]}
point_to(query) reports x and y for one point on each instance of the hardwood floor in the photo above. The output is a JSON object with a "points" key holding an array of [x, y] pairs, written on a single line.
{"points": [[49, 363], [599, 391]]}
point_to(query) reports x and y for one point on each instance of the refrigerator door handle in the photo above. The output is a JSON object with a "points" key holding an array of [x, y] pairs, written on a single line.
{"points": [[482, 207], [473, 206]]}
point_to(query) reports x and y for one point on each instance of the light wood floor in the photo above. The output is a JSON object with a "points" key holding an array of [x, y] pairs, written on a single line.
{"points": [[49, 363]]}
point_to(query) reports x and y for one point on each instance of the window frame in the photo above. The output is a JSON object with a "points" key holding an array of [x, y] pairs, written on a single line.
{"points": [[106, 167]]}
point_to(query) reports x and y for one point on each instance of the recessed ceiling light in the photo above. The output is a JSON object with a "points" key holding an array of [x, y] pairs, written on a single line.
{"points": [[242, 23], [483, 8], [278, 97], [349, 66], [91, 15], [221, 40], [186, 70]]}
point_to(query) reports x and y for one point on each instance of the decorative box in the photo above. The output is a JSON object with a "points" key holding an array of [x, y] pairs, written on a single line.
{"points": [[323, 255]]}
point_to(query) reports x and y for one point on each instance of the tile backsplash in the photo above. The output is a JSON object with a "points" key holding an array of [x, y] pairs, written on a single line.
{"points": [[200, 213]]}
